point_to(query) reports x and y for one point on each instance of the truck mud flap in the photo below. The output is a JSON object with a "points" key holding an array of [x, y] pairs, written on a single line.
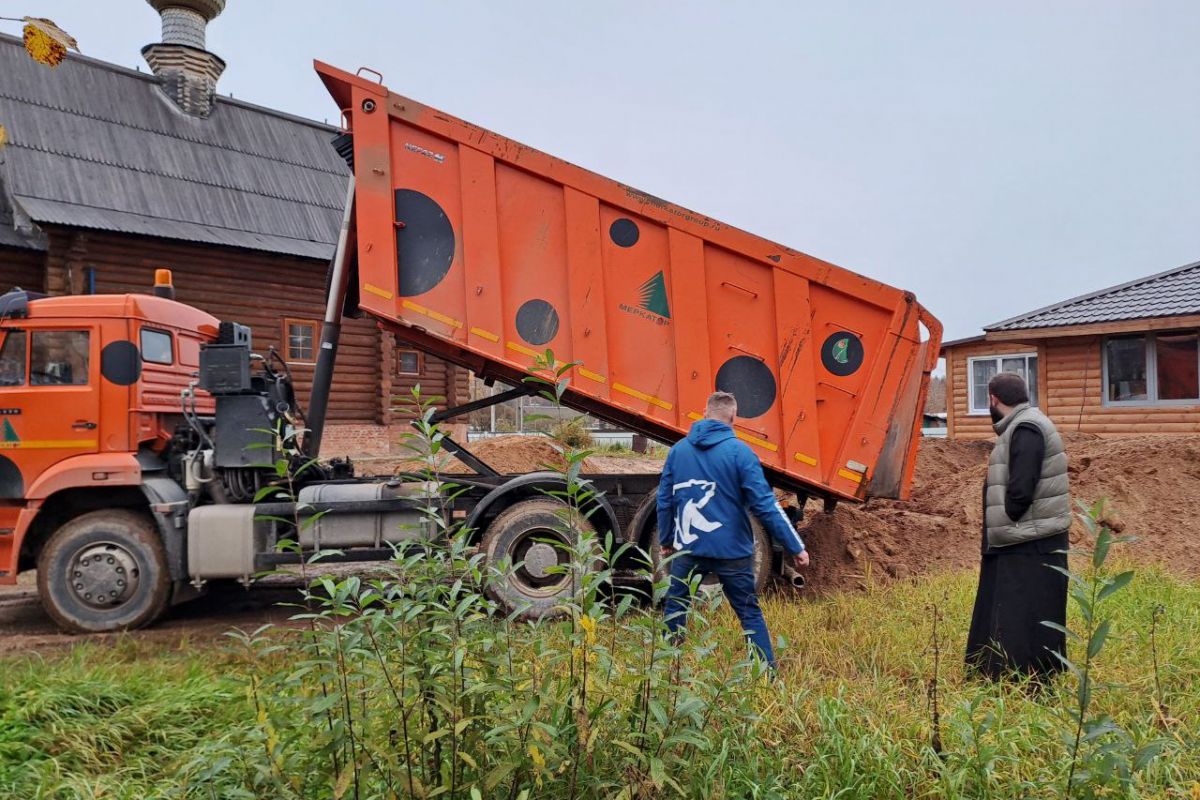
{"points": [[169, 505]]}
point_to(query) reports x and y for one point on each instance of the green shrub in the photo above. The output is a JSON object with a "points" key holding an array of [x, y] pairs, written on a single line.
{"points": [[572, 434]]}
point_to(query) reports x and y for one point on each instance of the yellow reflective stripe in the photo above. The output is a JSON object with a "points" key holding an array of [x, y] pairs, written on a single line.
{"points": [[850, 476], [756, 441], [429, 312], [491, 337], [803, 459], [373, 289], [520, 348], [694, 415], [46, 444], [649, 398], [593, 376]]}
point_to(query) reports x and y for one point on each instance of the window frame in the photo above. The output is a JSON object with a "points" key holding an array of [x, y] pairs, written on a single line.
{"points": [[287, 342], [142, 348], [93, 337], [420, 361], [1027, 354], [8, 332], [1150, 339]]}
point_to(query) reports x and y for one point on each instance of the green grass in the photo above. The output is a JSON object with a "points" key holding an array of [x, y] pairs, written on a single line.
{"points": [[849, 719]]}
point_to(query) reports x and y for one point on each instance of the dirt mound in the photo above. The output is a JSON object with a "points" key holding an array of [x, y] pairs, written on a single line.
{"points": [[625, 464], [513, 454], [1153, 484]]}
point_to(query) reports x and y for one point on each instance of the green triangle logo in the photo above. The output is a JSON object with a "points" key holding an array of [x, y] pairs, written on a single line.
{"points": [[654, 296], [10, 435]]}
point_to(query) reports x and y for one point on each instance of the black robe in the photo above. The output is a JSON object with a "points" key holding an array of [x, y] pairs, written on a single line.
{"points": [[1017, 587]]}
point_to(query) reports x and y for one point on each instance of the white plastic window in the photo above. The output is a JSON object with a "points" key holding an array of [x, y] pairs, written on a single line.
{"points": [[982, 369]]}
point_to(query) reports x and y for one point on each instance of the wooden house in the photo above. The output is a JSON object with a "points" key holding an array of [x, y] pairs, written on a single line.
{"points": [[1121, 361]]}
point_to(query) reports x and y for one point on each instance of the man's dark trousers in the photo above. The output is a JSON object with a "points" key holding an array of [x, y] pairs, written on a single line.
{"points": [[737, 579]]}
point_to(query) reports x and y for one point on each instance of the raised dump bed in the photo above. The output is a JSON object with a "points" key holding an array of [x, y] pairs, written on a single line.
{"points": [[487, 252]]}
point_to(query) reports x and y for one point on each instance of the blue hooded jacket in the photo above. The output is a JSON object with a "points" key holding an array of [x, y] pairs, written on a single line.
{"points": [[709, 481]]}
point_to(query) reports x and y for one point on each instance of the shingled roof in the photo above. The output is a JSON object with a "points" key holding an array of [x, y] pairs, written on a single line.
{"points": [[95, 145], [1173, 293]]}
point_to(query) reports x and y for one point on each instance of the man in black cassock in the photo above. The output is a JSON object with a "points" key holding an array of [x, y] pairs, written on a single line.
{"points": [[1027, 514]]}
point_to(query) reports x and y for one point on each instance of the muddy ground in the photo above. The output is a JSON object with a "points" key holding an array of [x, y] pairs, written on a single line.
{"points": [[25, 628], [1153, 483]]}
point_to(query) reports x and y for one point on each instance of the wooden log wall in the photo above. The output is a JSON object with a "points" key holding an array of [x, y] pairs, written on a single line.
{"points": [[1075, 379], [441, 383], [24, 268], [1071, 382]]}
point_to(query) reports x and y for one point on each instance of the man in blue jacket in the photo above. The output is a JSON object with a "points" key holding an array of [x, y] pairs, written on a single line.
{"points": [[709, 481]]}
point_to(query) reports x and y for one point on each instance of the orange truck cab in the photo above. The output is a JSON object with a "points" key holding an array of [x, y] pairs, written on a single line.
{"points": [[89, 399], [146, 449]]}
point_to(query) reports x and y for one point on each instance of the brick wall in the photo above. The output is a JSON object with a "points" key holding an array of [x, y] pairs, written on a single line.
{"points": [[356, 440], [365, 440]]}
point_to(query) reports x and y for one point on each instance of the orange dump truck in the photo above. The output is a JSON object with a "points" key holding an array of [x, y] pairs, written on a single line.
{"points": [[488, 252], [136, 460]]}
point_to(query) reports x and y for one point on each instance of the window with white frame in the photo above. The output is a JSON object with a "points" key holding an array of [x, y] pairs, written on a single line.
{"points": [[982, 369], [1152, 369]]}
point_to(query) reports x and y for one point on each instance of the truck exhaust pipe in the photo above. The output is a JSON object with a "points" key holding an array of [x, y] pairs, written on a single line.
{"points": [[793, 578], [331, 331]]}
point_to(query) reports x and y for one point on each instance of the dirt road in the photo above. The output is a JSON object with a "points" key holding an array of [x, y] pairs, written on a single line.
{"points": [[25, 628]]}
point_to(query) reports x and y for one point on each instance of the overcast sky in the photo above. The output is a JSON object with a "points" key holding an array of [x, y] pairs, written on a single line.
{"points": [[991, 157]]}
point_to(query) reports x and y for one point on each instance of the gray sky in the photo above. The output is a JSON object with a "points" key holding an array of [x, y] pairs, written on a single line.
{"points": [[991, 157]]}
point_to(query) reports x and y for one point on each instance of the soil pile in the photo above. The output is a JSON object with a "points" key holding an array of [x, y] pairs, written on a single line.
{"points": [[514, 454], [1153, 484]]}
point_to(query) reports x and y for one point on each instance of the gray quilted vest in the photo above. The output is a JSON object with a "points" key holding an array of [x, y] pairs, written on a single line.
{"points": [[1051, 509]]}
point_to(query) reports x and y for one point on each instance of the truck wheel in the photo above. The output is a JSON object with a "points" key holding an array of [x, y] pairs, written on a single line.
{"points": [[530, 536], [762, 559], [104, 571]]}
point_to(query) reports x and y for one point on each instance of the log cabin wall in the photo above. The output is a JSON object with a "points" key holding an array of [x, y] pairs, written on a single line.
{"points": [[1071, 392], [435, 382], [24, 268], [1075, 378]]}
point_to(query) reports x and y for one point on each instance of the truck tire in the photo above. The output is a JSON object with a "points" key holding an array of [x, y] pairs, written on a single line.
{"points": [[762, 559], [522, 534], [104, 571]]}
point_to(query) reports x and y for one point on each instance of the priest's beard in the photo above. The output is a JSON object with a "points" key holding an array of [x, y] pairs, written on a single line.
{"points": [[996, 413]]}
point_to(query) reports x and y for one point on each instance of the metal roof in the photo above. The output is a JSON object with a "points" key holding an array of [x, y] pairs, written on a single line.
{"points": [[1173, 293], [99, 146]]}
